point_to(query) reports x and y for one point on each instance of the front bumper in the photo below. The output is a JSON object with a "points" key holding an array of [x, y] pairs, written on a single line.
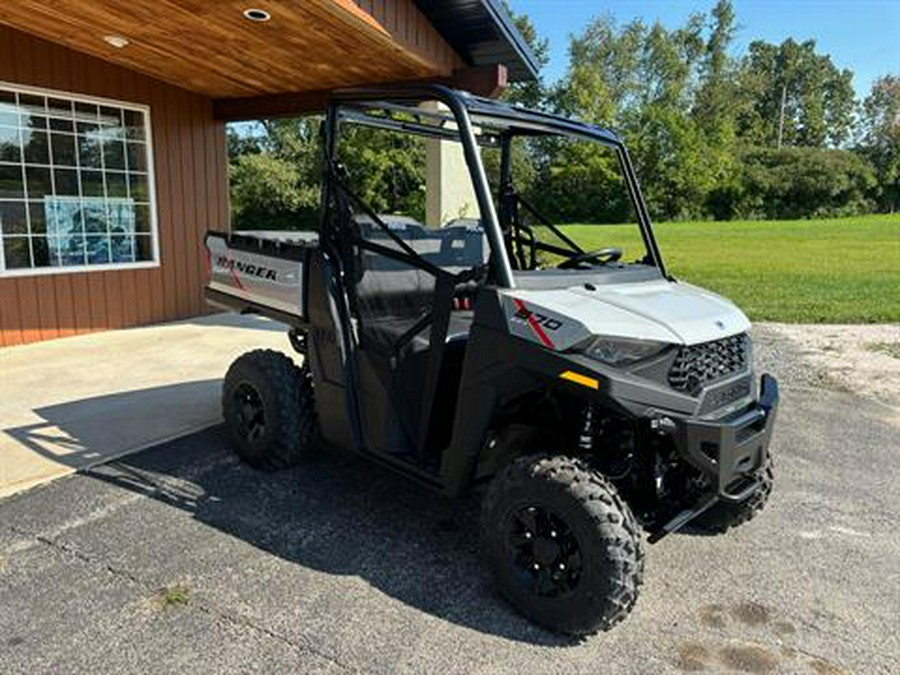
{"points": [[731, 452]]}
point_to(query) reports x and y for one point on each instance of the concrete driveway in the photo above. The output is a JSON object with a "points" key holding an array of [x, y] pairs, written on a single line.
{"points": [[73, 403], [180, 559]]}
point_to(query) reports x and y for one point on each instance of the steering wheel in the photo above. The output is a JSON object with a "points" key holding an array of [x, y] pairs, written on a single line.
{"points": [[601, 256]]}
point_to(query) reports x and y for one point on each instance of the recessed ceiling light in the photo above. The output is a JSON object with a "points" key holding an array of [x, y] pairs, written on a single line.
{"points": [[116, 41], [256, 14]]}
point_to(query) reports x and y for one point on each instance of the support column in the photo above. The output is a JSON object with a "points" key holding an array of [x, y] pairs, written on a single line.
{"points": [[448, 186]]}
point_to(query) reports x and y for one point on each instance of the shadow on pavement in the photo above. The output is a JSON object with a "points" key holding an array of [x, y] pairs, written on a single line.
{"points": [[83, 432], [338, 514]]}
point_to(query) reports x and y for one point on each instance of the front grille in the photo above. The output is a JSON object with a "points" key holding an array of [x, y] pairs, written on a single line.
{"points": [[697, 365]]}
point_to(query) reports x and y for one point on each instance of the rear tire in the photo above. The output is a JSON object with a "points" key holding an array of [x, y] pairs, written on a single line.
{"points": [[269, 410], [723, 516], [562, 546]]}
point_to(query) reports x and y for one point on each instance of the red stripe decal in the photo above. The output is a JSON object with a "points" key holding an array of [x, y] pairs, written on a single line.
{"points": [[535, 326], [234, 277]]}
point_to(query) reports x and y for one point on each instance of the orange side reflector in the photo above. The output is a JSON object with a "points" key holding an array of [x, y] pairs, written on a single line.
{"points": [[578, 378]]}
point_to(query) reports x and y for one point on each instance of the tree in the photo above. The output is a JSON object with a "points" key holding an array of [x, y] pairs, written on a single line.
{"points": [[533, 93], [798, 97], [800, 183], [602, 80], [718, 98], [717, 94], [881, 137], [274, 173], [267, 192], [386, 169], [640, 79]]}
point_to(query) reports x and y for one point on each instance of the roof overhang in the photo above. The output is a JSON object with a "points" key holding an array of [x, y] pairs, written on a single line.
{"points": [[290, 62], [483, 34], [210, 47]]}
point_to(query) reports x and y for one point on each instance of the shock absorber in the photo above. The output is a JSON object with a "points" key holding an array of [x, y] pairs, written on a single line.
{"points": [[586, 431], [610, 440]]}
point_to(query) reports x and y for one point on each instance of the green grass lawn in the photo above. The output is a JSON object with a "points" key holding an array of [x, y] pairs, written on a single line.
{"points": [[844, 270]]}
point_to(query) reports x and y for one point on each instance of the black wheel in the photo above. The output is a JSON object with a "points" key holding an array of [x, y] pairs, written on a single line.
{"points": [[724, 516], [269, 409], [561, 544]]}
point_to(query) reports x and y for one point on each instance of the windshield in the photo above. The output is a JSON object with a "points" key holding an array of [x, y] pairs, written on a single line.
{"points": [[563, 203]]}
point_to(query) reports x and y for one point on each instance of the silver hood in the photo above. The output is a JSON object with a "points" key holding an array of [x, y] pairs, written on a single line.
{"points": [[659, 310]]}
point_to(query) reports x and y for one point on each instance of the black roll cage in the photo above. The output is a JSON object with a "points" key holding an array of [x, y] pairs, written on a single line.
{"points": [[506, 234]]}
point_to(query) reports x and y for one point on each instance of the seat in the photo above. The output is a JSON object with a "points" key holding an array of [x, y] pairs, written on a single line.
{"points": [[393, 295], [384, 333]]}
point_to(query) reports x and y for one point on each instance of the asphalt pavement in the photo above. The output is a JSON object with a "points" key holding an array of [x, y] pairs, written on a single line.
{"points": [[179, 558]]}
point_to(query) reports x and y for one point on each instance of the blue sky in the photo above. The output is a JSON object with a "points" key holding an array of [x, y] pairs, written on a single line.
{"points": [[862, 35]]}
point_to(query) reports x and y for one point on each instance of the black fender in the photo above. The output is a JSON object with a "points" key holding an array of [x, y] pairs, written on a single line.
{"points": [[500, 367]]}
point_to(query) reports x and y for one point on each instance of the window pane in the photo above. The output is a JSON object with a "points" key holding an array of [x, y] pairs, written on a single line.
{"points": [[7, 97], [32, 111], [94, 214], [92, 183], [53, 244], [40, 251], [116, 185], [9, 114], [110, 117], [120, 216], [58, 107], [143, 247], [36, 149], [89, 150], [57, 124], [87, 127], [37, 212], [66, 181], [142, 218], [64, 217], [30, 104], [12, 218], [86, 111], [134, 124], [10, 147], [140, 187], [123, 248], [97, 250], [63, 149], [114, 154], [38, 182], [38, 122], [15, 250], [11, 181], [137, 156], [72, 250]]}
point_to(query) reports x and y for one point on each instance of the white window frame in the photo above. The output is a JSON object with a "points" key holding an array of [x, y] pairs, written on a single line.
{"points": [[151, 188]]}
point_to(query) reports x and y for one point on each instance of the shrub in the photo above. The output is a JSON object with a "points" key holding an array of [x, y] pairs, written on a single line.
{"points": [[796, 183]]}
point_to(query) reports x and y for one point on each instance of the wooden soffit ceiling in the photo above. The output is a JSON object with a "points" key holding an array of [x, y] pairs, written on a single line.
{"points": [[209, 47]]}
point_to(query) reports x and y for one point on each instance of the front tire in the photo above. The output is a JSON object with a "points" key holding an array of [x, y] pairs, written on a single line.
{"points": [[269, 410], [562, 546]]}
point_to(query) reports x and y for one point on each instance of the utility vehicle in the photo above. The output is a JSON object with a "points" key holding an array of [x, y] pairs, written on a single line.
{"points": [[593, 397]]}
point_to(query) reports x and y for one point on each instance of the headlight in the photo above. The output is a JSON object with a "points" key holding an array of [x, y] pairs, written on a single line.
{"points": [[621, 351]]}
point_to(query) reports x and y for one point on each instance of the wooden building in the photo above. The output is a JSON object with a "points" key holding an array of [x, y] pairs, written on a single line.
{"points": [[112, 130]]}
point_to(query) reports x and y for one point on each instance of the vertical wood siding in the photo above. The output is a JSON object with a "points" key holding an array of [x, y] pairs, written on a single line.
{"points": [[410, 28], [191, 195]]}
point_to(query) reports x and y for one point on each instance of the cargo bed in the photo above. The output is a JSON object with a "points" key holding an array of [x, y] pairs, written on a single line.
{"points": [[260, 272]]}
